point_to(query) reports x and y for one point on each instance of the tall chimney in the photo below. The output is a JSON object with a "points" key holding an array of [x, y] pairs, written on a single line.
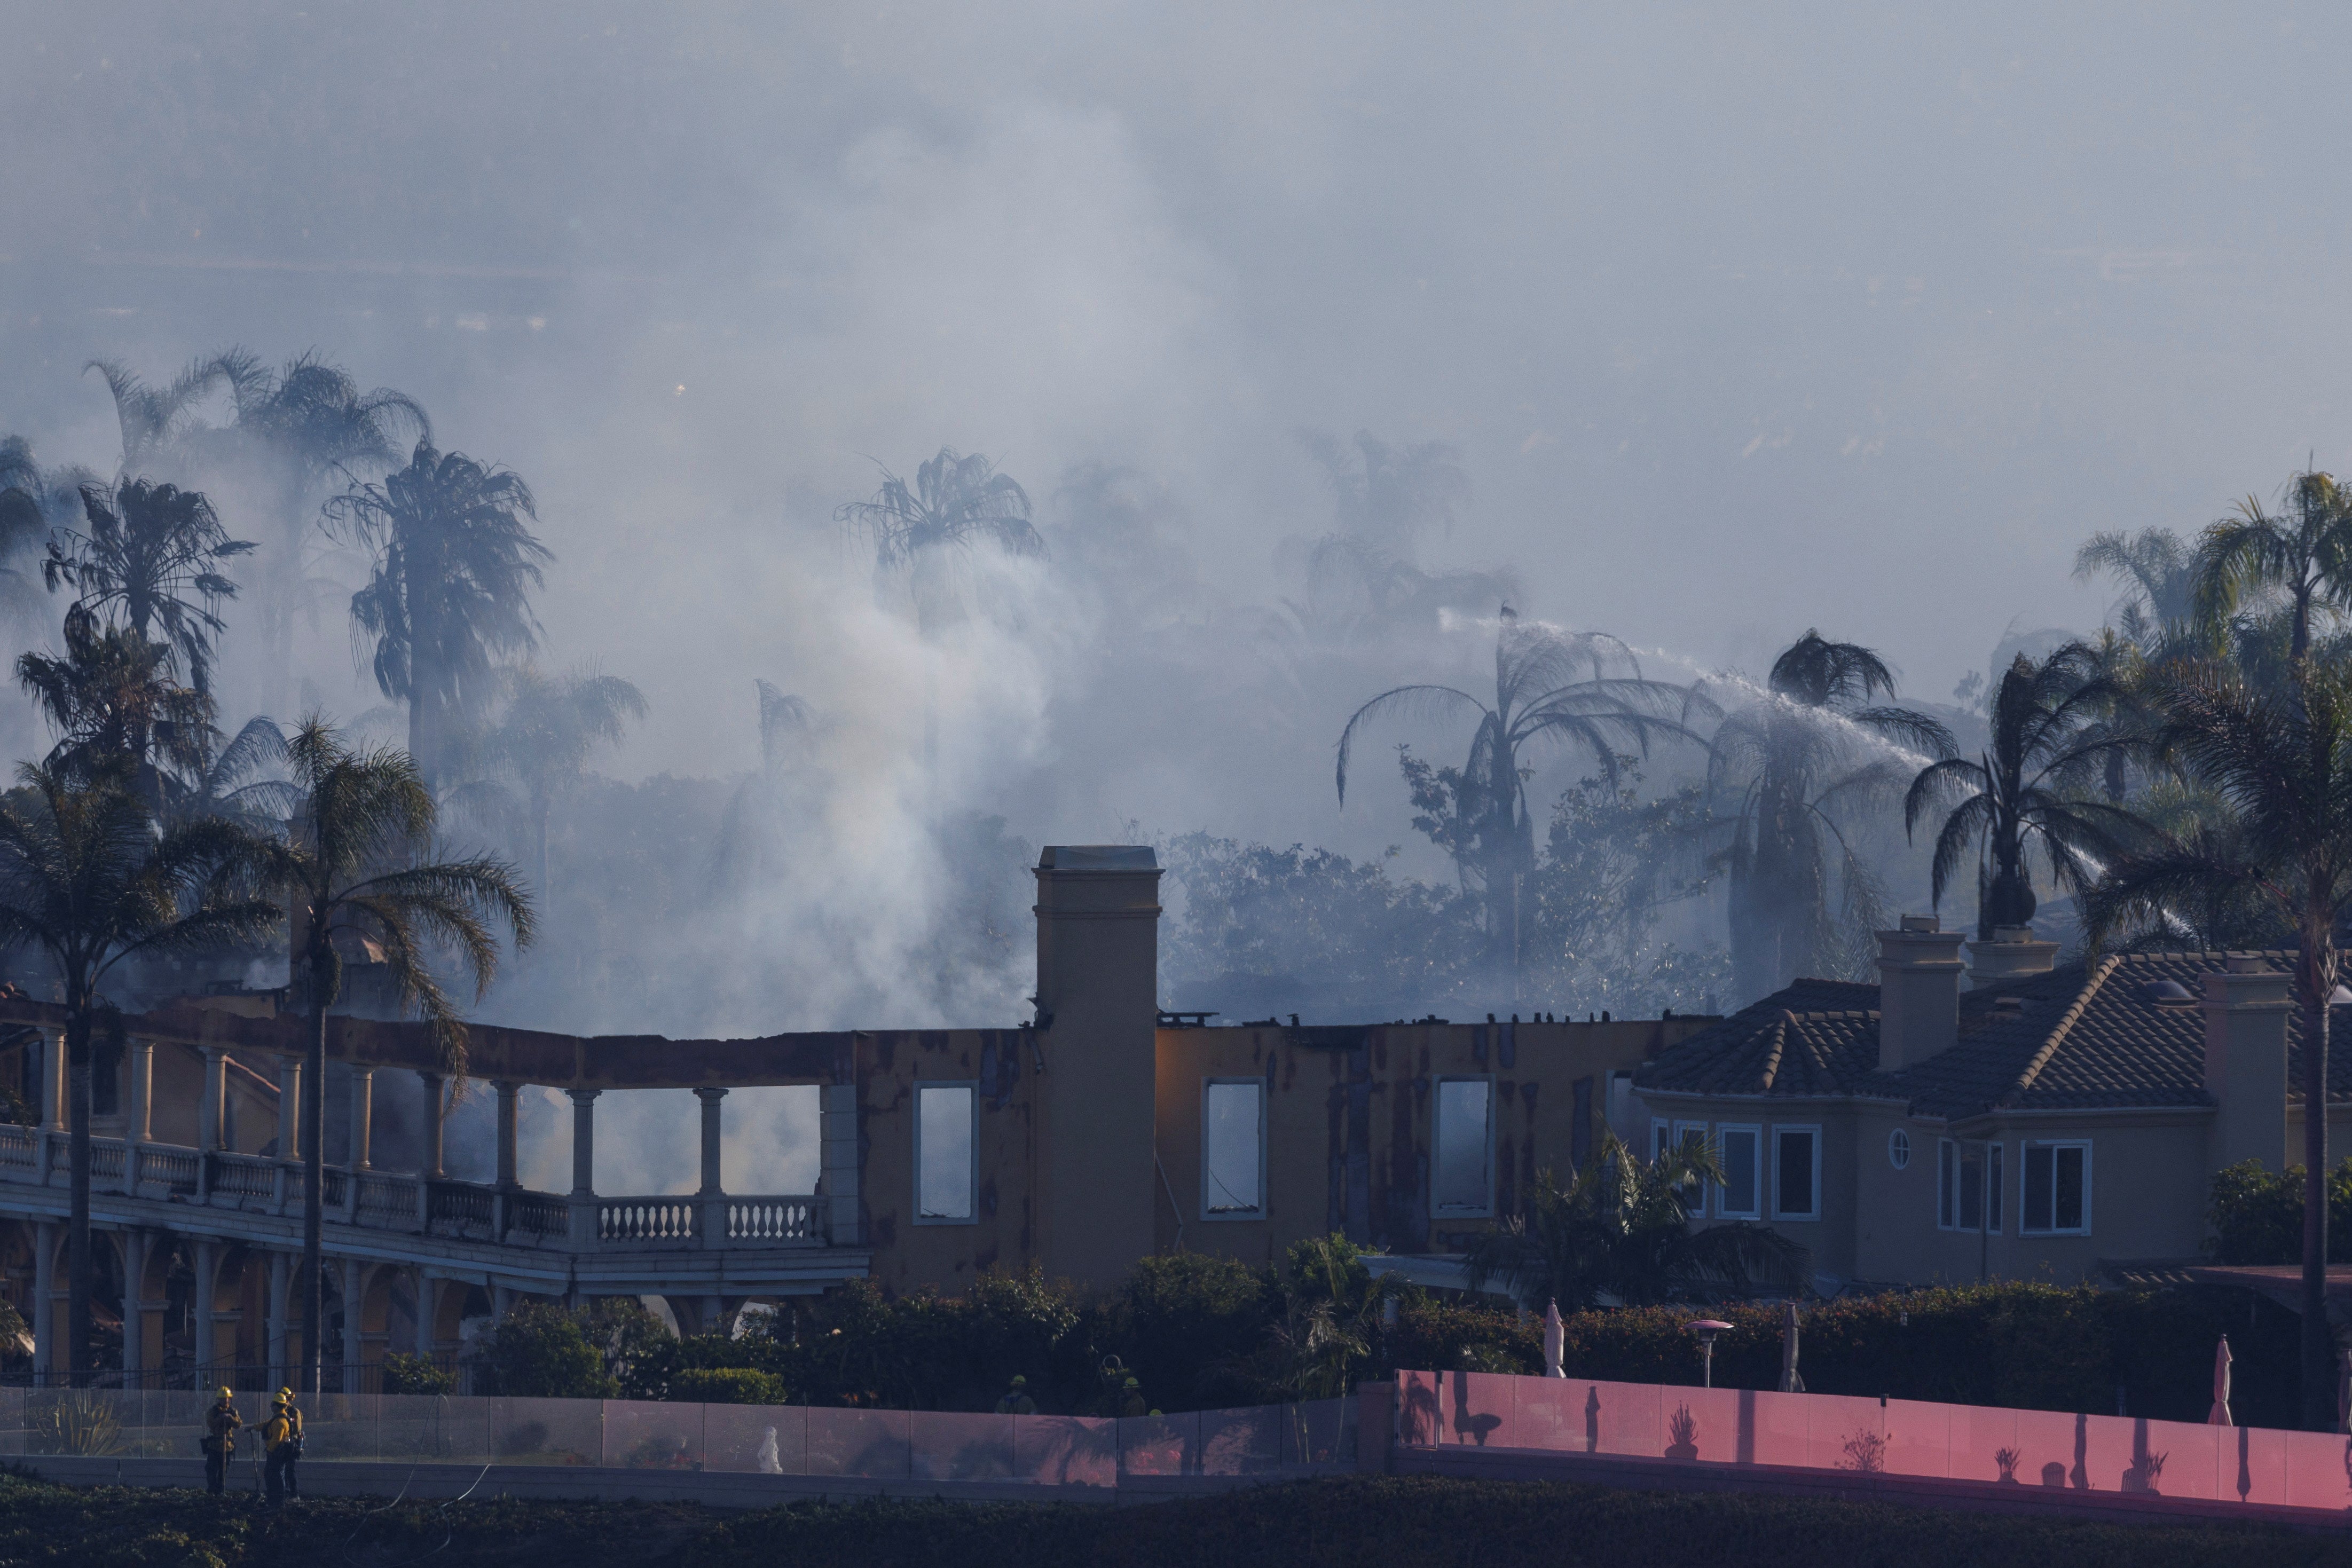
{"points": [[1919, 991], [2011, 955], [1099, 1018], [2247, 1006]]}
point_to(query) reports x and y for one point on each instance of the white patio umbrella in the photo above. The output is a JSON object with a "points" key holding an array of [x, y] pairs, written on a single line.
{"points": [[1553, 1341], [2219, 1415]]}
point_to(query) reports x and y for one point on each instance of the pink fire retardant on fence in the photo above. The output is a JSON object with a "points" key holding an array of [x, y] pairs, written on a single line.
{"points": [[1892, 1436], [910, 1446]]}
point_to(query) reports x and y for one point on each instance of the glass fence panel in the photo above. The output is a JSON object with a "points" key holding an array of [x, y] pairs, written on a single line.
{"points": [[2253, 1465], [547, 1431], [1476, 1408], [649, 1435], [1245, 1442], [2173, 1458], [81, 1421], [337, 1426], [1841, 1433], [1319, 1432], [944, 1445], [1771, 1427], [1700, 1423], [1550, 1413], [1983, 1443], [1417, 1409], [1159, 1445], [870, 1443], [172, 1422], [1919, 1439], [2318, 1470], [433, 1429], [1067, 1450], [755, 1439], [12, 1422]]}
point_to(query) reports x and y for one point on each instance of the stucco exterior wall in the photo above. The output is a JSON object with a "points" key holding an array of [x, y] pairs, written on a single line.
{"points": [[1000, 1065]]}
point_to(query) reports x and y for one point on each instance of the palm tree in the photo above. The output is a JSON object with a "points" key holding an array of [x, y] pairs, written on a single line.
{"points": [[150, 548], [1386, 497], [113, 703], [2160, 573], [234, 782], [156, 421], [1621, 1227], [2282, 762], [357, 862], [32, 501], [957, 501], [550, 726], [2027, 791], [87, 878], [1805, 758], [297, 429], [455, 565], [2303, 557], [748, 827], [1551, 687]]}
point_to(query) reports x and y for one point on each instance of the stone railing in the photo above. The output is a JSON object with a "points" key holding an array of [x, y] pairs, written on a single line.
{"points": [[388, 1201]]}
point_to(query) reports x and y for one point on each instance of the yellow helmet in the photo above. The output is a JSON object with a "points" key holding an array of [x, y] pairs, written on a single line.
{"points": [[227, 1395], [285, 1394]]}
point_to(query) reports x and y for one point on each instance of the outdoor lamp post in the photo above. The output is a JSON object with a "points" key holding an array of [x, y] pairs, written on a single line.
{"points": [[1707, 1329]]}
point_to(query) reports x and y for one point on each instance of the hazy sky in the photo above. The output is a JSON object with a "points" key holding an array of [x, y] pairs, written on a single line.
{"points": [[1744, 319]]}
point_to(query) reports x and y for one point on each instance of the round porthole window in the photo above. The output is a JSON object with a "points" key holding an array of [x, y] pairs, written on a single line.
{"points": [[1898, 1149]]}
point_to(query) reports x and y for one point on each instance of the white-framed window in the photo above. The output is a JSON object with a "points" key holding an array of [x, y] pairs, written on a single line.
{"points": [[1898, 1149], [1968, 1185], [1796, 1173], [1462, 1163], [1742, 1196], [947, 1152], [1660, 1131], [1692, 1135], [2056, 1191], [1233, 1149]]}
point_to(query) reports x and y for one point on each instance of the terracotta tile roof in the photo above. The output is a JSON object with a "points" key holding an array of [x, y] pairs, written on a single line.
{"points": [[2081, 1036]]}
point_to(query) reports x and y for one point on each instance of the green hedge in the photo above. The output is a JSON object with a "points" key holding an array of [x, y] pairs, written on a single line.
{"points": [[2021, 1346], [1361, 1522]]}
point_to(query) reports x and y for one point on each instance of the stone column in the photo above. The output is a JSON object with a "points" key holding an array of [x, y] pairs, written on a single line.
{"points": [[362, 1116], [290, 1108], [53, 1080], [583, 1165], [432, 1083], [837, 1151], [279, 1277], [45, 1310], [200, 1309], [713, 1196], [506, 1109], [141, 1128], [426, 1288], [134, 1313], [212, 1112], [354, 1350]]}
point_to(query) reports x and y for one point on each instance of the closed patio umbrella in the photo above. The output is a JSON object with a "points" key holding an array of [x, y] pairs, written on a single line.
{"points": [[2219, 1415], [1789, 1381], [1553, 1338]]}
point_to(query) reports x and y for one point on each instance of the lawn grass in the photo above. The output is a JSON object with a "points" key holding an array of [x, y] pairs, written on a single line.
{"points": [[1346, 1522]]}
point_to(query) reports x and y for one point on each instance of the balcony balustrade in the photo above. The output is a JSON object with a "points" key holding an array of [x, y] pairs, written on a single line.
{"points": [[384, 1201]]}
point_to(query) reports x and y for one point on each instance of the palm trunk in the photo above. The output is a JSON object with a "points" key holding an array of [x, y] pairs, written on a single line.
{"points": [[79, 1260], [2316, 980], [314, 1153]]}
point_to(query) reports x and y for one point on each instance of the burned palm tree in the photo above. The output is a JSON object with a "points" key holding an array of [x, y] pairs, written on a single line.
{"points": [[1585, 690], [153, 553], [924, 530], [2159, 571], [156, 421], [2028, 791], [115, 705], [552, 724], [1803, 765], [747, 829], [455, 562], [1385, 497]]}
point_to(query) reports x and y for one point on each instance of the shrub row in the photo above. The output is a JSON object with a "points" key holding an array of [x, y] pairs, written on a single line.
{"points": [[1365, 1522]]}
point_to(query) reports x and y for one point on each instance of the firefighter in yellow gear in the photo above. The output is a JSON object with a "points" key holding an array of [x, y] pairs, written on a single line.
{"points": [[282, 1446], [1016, 1400], [221, 1424]]}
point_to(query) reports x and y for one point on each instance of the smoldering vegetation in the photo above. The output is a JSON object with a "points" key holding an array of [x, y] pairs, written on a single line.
{"points": [[775, 472]]}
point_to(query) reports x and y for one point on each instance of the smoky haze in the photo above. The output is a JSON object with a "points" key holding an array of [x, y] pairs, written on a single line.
{"points": [[1739, 321]]}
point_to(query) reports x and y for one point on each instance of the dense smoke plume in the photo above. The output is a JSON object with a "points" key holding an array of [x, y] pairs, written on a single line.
{"points": [[1729, 326]]}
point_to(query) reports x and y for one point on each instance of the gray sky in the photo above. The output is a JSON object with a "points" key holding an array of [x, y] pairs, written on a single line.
{"points": [[1744, 319]]}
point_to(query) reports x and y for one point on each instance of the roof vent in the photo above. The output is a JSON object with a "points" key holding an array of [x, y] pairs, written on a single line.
{"points": [[2168, 994], [2341, 996], [2009, 1004]]}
